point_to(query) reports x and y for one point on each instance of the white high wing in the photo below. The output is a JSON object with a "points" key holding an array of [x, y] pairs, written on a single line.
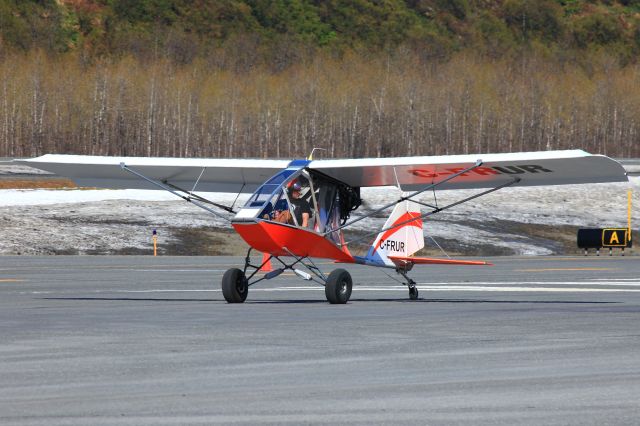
{"points": [[411, 173]]}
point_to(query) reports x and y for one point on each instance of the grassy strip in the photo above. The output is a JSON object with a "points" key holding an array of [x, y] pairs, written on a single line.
{"points": [[57, 183]]}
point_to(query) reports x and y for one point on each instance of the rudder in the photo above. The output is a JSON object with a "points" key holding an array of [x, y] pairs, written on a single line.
{"points": [[403, 240]]}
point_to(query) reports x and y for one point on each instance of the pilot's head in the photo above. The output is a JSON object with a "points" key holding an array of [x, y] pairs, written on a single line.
{"points": [[296, 190]]}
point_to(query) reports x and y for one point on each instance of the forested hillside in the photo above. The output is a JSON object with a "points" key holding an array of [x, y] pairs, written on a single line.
{"points": [[360, 78], [283, 31]]}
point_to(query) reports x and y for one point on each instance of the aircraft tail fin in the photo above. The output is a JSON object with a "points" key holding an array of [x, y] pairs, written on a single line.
{"points": [[403, 240]]}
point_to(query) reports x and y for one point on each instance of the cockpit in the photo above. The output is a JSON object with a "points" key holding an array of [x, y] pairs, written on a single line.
{"points": [[302, 198]]}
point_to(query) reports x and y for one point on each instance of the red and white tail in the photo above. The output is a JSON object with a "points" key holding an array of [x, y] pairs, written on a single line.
{"points": [[395, 246], [403, 239]]}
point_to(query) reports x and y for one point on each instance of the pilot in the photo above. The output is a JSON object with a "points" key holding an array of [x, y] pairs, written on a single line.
{"points": [[278, 212], [299, 206]]}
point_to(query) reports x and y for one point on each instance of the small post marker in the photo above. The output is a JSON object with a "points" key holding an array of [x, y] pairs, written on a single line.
{"points": [[155, 243], [266, 263], [629, 198]]}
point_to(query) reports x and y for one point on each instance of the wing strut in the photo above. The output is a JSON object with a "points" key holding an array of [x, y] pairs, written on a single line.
{"points": [[167, 187], [408, 197], [191, 195], [434, 211]]}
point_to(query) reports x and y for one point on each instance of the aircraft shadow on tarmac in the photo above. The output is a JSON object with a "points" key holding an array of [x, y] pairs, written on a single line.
{"points": [[297, 301]]}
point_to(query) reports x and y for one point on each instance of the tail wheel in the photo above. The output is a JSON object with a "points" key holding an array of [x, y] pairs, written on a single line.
{"points": [[338, 287], [413, 293], [235, 286]]}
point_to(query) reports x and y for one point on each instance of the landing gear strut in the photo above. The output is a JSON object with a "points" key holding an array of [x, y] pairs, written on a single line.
{"points": [[236, 282]]}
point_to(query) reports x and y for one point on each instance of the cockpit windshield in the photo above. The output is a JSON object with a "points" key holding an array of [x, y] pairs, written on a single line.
{"points": [[305, 199], [264, 193]]}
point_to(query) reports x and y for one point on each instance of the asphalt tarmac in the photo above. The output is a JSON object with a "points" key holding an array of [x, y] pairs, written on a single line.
{"points": [[150, 341]]}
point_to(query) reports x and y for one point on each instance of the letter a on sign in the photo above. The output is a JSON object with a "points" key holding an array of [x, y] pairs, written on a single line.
{"points": [[614, 238]]}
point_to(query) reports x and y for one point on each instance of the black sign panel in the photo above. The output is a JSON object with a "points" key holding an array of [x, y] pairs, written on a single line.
{"points": [[607, 237]]}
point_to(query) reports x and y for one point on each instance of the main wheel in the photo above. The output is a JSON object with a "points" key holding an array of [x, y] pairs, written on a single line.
{"points": [[338, 287], [235, 286]]}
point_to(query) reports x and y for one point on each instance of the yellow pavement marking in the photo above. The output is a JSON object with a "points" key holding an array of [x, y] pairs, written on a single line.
{"points": [[10, 280], [563, 269]]}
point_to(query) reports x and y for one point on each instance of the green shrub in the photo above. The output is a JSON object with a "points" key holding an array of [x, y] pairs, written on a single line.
{"points": [[458, 8], [596, 29], [295, 18], [145, 10], [14, 30], [529, 19], [493, 35]]}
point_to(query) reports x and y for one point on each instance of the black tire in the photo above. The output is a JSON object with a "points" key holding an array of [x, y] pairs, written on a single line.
{"points": [[413, 293], [338, 287], [235, 286]]}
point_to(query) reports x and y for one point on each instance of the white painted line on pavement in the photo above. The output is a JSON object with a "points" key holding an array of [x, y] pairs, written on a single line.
{"points": [[525, 283], [613, 279], [381, 289], [174, 270]]}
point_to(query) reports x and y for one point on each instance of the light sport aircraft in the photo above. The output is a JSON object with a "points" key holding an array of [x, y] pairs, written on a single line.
{"points": [[322, 194]]}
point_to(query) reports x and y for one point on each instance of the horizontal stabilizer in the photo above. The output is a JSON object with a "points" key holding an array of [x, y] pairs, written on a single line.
{"points": [[402, 261]]}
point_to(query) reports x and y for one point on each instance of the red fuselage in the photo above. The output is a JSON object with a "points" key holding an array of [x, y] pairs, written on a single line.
{"points": [[277, 238]]}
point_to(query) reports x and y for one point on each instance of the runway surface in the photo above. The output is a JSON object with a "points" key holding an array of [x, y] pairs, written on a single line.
{"points": [[150, 341]]}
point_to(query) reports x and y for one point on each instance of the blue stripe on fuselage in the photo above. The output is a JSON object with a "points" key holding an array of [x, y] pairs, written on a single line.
{"points": [[369, 261]]}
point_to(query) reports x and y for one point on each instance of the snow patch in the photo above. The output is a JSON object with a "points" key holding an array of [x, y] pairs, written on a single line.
{"points": [[103, 221]]}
